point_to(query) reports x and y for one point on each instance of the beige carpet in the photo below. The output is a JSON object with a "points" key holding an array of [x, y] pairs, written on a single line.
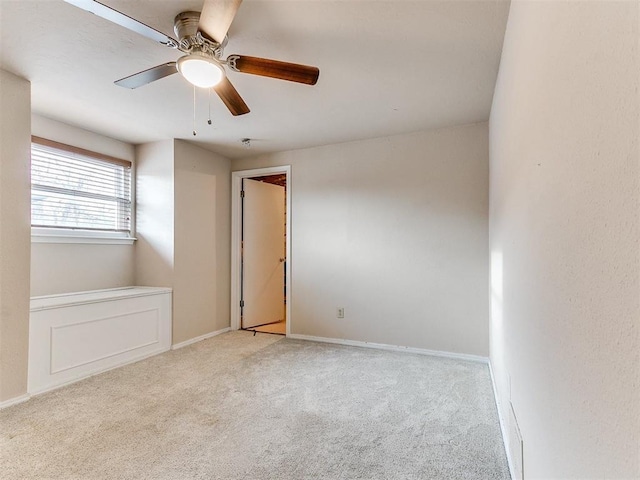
{"points": [[243, 407]]}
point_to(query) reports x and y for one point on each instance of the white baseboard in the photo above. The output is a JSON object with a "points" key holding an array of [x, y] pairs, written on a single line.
{"points": [[200, 338], [503, 429], [14, 401], [392, 348]]}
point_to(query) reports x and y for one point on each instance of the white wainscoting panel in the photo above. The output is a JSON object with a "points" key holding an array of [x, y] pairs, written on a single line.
{"points": [[76, 335]]}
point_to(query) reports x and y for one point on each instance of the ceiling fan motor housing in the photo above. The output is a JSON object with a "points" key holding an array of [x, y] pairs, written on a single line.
{"points": [[185, 25]]}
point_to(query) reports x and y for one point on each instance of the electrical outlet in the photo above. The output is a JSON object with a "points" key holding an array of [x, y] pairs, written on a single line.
{"points": [[340, 312]]}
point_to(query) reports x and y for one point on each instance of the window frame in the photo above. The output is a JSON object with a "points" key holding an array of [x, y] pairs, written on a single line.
{"points": [[44, 234]]}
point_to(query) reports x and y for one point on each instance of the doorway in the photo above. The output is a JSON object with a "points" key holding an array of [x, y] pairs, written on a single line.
{"points": [[260, 249], [263, 258]]}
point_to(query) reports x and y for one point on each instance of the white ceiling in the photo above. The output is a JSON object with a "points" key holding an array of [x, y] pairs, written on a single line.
{"points": [[386, 67]]}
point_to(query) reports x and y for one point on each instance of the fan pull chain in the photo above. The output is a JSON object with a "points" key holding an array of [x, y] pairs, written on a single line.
{"points": [[209, 120], [194, 111]]}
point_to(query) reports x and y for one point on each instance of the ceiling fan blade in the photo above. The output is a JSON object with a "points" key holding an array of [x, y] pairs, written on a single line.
{"points": [[216, 17], [231, 98], [123, 20], [292, 72], [147, 76]]}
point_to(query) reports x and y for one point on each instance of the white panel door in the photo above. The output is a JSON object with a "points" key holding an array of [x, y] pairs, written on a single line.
{"points": [[263, 252]]}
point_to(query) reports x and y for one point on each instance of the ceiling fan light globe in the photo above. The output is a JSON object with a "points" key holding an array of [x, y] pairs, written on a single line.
{"points": [[200, 71]]}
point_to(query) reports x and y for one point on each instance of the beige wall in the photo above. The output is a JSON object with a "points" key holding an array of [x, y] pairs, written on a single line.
{"points": [[71, 267], [183, 196], [395, 230], [154, 248], [62, 268], [78, 137], [565, 225], [202, 242], [15, 205]]}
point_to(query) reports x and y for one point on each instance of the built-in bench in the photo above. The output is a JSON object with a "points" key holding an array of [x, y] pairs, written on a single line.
{"points": [[75, 335]]}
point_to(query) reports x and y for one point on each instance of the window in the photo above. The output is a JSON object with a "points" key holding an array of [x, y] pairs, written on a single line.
{"points": [[76, 192]]}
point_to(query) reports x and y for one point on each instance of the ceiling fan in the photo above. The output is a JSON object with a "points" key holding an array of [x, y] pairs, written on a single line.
{"points": [[202, 37]]}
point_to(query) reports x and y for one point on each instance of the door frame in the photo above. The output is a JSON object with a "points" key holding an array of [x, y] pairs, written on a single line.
{"points": [[236, 236]]}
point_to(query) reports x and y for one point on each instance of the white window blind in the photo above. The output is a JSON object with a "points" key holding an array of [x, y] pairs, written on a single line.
{"points": [[76, 189]]}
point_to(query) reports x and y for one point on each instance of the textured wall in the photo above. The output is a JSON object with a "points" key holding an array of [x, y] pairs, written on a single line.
{"points": [[15, 205], [564, 215], [395, 231], [72, 267]]}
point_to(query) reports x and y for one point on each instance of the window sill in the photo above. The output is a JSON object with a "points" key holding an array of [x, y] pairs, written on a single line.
{"points": [[39, 235]]}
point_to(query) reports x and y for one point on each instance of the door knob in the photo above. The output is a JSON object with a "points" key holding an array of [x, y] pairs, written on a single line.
{"points": [[282, 260]]}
